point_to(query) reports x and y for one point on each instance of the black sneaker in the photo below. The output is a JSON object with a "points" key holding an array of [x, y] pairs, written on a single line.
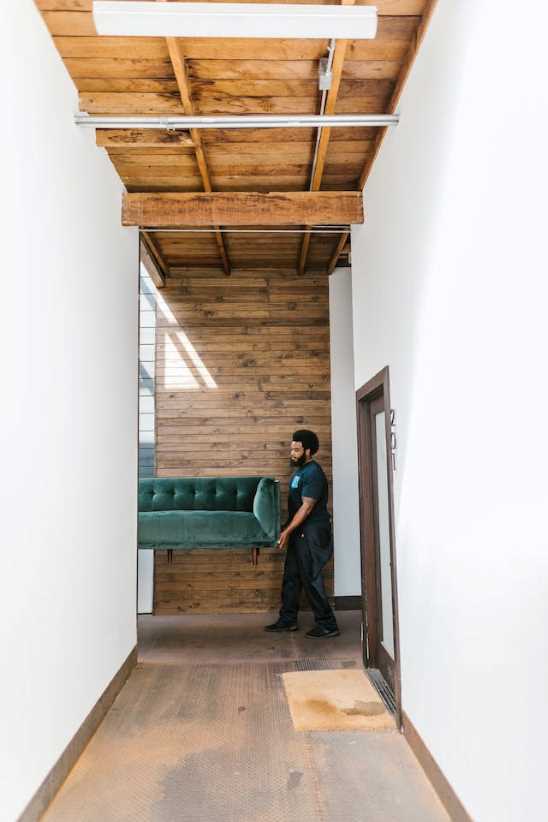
{"points": [[282, 626], [323, 633]]}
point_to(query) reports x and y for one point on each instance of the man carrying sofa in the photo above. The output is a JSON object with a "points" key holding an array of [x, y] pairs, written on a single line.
{"points": [[307, 538]]}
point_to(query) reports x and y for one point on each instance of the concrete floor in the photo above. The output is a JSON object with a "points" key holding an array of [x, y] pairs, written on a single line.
{"points": [[201, 732]]}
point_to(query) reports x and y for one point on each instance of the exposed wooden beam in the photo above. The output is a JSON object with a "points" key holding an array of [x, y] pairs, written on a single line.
{"points": [[151, 267], [325, 133], [156, 258], [338, 251], [175, 210], [394, 100], [305, 245], [142, 138], [181, 75], [330, 105]]}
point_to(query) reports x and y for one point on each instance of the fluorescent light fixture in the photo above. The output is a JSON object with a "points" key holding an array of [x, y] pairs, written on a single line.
{"points": [[239, 121], [153, 19]]}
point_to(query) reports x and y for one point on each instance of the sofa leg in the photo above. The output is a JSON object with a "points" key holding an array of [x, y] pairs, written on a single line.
{"points": [[170, 555], [255, 556]]}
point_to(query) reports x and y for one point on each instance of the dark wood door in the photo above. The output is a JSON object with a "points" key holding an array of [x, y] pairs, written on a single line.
{"points": [[381, 646], [383, 619]]}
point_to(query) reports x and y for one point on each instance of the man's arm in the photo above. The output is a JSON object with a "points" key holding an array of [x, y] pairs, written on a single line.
{"points": [[300, 516]]}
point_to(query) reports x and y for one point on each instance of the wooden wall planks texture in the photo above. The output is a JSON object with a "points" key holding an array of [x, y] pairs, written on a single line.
{"points": [[240, 364]]}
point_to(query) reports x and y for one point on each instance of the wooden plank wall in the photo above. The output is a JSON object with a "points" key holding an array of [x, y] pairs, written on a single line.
{"points": [[241, 362]]}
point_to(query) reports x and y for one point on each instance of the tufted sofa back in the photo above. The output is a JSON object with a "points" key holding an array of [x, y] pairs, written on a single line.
{"points": [[197, 494]]}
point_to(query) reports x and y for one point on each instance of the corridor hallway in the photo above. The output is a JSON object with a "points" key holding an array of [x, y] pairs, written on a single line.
{"points": [[201, 732]]}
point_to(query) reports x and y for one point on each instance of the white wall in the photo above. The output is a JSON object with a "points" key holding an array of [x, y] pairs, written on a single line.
{"points": [[450, 290], [344, 439], [68, 417]]}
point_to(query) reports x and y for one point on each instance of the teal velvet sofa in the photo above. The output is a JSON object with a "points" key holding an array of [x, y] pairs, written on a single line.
{"points": [[209, 512]]}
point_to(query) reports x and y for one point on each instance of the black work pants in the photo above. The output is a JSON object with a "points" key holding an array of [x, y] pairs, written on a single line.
{"points": [[309, 549]]}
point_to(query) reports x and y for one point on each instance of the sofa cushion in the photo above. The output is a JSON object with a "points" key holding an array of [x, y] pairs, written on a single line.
{"points": [[200, 528], [197, 493]]}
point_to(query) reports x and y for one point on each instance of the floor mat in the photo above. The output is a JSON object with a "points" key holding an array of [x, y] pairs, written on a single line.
{"points": [[338, 700]]}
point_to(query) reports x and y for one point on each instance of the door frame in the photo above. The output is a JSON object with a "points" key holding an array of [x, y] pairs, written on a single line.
{"points": [[376, 387]]}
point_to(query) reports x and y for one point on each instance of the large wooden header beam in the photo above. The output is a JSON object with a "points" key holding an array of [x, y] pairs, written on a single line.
{"points": [[243, 208]]}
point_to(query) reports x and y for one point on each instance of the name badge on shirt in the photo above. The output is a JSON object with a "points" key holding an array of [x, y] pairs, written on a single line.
{"points": [[295, 481]]}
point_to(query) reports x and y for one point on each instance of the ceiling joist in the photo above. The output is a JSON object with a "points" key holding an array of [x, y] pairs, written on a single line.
{"points": [[153, 260], [181, 75], [325, 133], [332, 264]]}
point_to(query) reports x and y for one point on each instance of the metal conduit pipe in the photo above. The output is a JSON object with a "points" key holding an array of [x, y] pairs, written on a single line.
{"points": [[244, 121]]}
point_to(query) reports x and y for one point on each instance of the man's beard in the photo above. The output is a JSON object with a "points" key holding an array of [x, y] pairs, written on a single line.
{"points": [[297, 463]]}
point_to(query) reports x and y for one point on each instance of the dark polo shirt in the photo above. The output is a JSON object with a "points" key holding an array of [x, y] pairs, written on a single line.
{"points": [[309, 481]]}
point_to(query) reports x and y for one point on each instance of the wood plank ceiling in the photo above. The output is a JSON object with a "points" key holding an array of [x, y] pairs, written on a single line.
{"points": [[155, 76]]}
